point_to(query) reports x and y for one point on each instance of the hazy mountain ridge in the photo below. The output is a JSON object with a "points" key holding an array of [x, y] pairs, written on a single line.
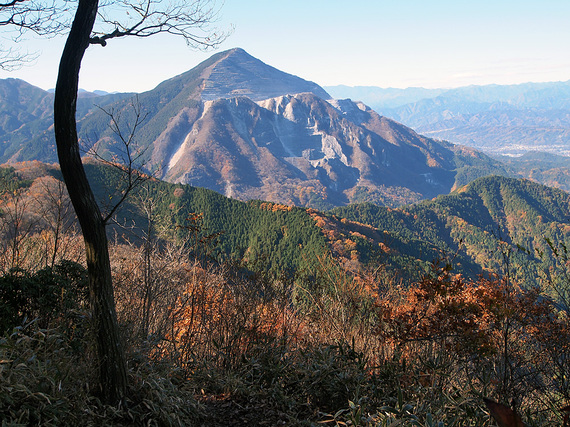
{"points": [[25, 113], [499, 119], [26, 120], [380, 98]]}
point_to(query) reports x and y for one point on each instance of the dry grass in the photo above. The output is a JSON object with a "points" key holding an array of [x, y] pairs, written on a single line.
{"points": [[211, 345]]}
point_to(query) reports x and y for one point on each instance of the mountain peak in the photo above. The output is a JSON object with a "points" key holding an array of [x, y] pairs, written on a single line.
{"points": [[238, 51], [237, 73]]}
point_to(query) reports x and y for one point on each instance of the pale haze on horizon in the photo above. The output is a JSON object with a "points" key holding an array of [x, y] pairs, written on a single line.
{"points": [[385, 43]]}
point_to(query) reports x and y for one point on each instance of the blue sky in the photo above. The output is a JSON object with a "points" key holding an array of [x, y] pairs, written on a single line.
{"points": [[387, 43]]}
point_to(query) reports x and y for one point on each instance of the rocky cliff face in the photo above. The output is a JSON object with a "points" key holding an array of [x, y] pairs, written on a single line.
{"points": [[302, 149]]}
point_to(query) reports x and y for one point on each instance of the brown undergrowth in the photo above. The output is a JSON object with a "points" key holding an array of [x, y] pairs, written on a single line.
{"points": [[212, 344]]}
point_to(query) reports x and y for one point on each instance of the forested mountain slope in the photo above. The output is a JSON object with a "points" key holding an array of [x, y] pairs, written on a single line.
{"points": [[306, 327], [486, 226], [272, 238], [491, 224]]}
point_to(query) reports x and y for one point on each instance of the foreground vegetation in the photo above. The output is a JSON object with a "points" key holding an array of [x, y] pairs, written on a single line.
{"points": [[233, 341]]}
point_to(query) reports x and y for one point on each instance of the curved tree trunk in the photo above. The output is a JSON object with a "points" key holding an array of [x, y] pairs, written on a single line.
{"points": [[112, 366]]}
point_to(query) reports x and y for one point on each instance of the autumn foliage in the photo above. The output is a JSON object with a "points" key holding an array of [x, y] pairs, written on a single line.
{"points": [[339, 342]]}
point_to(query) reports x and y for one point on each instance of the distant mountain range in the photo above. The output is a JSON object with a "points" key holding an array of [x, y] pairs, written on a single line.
{"points": [[507, 120], [249, 131], [379, 98]]}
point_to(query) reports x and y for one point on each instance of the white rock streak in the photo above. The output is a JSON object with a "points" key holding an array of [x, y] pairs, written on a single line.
{"points": [[186, 141], [282, 107]]}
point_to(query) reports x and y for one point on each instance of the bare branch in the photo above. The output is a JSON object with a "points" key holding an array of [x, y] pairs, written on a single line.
{"points": [[191, 20], [128, 155], [46, 18], [12, 59], [42, 17]]}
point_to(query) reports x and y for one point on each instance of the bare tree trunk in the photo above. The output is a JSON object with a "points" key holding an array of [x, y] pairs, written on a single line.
{"points": [[112, 366]]}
